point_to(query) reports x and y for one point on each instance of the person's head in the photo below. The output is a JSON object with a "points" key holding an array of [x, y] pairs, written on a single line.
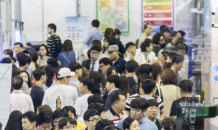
{"points": [[76, 67], [147, 46], [178, 62], [45, 121], [181, 49], [141, 78], [14, 121], [67, 123], [112, 128], [6, 60], [105, 63], [95, 99], [130, 66], [112, 71], [51, 28], [156, 71], [95, 52], [23, 61], [97, 43], [71, 111], [50, 71], [53, 62], [130, 123], [117, 33], [95, 23], [98, 79], [148, 86], [158, 39], [118, 101], [161, 27], [168, 77], [64, 74], [145, 69], [186, 86], [15, 71], [91, 117], [112, 82], [109, 32], [113, 52], [86, 85], [147, 29], [152, 110], [108, 41], [26, 78], [34, 57], [175, 37], [168, 124], [131, 47], [8, 53], [43, 50], [18, 47], [17, 83], [181, 34], [85, 73], [103, 124], [138, 108], [124, 85], [29, 120], [99, 107], [44, 108], [67, 46], [56, 117], [40, 75], [166, 32]]}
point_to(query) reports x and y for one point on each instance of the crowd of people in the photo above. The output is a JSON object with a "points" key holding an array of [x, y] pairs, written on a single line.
{"points": [[132, 86]]}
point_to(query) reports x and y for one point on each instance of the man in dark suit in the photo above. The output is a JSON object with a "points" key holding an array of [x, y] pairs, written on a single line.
{"points": [[93, 63]]}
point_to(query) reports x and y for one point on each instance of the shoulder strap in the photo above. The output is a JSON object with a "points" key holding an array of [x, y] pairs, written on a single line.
{"points": [[65, 57]]}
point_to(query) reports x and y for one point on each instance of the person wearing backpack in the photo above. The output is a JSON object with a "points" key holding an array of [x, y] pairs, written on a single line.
{"points": [[53, 42]]}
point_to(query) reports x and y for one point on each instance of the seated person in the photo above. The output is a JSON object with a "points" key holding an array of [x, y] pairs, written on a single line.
{"points": [[67, 123]]}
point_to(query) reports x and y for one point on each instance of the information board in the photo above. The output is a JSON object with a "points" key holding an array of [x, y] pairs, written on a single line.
{"points": [[113, 14], [157, 13]]}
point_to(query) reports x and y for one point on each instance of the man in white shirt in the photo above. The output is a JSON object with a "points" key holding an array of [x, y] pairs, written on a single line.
{"points": [[147, 32], [61, 94], [18, 100], [85, 88]]}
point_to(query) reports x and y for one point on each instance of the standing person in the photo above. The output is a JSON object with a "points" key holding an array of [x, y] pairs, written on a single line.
{"points": [[174, 39], [118, 62], [29, 120], [107, 42], [43, 53], [26, 79], [53, 42], [105, 63], [37, 92], [19, 100], [50, 72], [85, 88], [45, 121], [130, 123], [61, 94], [14, 121], [8, 53], [117, 34], [124, 85], [158, 40], [34, 57], [147, 51], [94, 34], [177, 63], [147, 32], [67, 55]]}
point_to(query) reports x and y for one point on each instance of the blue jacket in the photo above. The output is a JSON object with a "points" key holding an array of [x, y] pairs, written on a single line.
{"points": [[37, 95], [107, 102]]}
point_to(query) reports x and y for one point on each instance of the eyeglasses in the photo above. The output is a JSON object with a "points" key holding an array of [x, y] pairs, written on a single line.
{"points": [[94, 119], [46, 128], [69, 127]]}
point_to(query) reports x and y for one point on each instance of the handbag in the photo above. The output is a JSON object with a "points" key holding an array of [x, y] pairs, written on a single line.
{"points": [[65, 57]]}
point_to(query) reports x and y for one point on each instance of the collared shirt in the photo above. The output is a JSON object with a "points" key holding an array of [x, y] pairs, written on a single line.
{"points": [[139, 58], [142, 39], [20, 101], [96, 65], [120, 65], [94, 34], [37, 95], [113, 116], [113, 90]]}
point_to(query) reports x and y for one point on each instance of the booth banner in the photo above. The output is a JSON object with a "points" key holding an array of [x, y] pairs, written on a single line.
{"points": [[113, 14], [5, 90], [157, 13], [77, 30]]}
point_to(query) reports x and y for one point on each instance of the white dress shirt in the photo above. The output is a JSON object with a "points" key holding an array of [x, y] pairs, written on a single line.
{"points": [[20, 101], [151, 56], [139, 58], [96, 65]]}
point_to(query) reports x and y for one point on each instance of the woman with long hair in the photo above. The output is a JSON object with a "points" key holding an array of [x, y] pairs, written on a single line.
{"points": [[111, 71], [53, 62], [8, 53], [99, 81], [147, 51], [34, 57], [107, 42], [67, 55], [124, 85], [43, 55], [117, 34], [26, 78], [14, 121], [50, 72]]}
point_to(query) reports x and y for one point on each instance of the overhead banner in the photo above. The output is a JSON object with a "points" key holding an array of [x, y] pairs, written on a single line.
{"points": [[113, 14], [157, 13], [77, 30]]}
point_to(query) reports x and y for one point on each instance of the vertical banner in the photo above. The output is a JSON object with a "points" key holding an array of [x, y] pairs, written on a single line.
{"points": [[5, 90], [77, 30], [113, 14], [157, 13]]}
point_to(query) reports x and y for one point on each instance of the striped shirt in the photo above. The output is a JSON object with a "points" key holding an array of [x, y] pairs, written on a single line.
{"points": [[52, 42], [113, 116]]}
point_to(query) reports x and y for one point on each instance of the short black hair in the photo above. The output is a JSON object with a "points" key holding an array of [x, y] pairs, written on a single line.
{"points": [[112, 128], [95, 23], [152, 102], [71, 109], [145, 69], [136, 70], [116, 97], [44, 117], [110, 70], [95, 99], [52, 26], [146, 26], [63, 122], [177, 59], [161, 27], [57, 114], [182, 46], [148, 85], [89, 82], [95, 48], [97, 106], [131, 65], [143, 77], [106, 61], [73, 66], [113, 79], [130, 44], [156, 70], [6, 60], [145, 44], [182, 33], [140, 103], [168, 122], [156, 38], [31, 116], [127, 122], [15, 71], [17, 82], [174, 34], [23, 60], [38, 73], [18, 43], [89, 113], [186, 85], [64, 113], [100, 125]]}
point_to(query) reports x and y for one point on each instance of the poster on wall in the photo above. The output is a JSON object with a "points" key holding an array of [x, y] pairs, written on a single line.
{"points": [[157, 13], [113, 14], [77, 30]]}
